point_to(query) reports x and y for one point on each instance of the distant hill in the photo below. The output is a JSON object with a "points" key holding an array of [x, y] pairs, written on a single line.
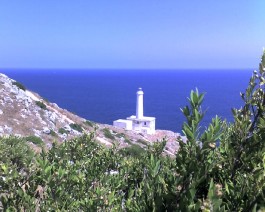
{"points": [[26, 114]]}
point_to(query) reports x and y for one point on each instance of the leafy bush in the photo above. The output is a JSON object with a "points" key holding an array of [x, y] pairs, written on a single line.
{"points": [[76, 127], [19, 85], [128, 141], [41, 105], [35, 140], [89, 123], [141, 141], [15, 152], [120, 135], [133, 150], [63, 131], [52, 133], [108, 134]]}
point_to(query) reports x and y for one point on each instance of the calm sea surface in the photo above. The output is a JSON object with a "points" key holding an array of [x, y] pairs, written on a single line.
{"points": [[105, 95]]}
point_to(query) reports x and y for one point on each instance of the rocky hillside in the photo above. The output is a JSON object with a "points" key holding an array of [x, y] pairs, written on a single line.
{"points": [[24, 113]]}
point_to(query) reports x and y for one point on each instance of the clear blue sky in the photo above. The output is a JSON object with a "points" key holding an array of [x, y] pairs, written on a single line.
{"points": [[172, 34]]}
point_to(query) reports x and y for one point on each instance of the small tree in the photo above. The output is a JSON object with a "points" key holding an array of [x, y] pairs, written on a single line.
{"points": [[232, 176]]}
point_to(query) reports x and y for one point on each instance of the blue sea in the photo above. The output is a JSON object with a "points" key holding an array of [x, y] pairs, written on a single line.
{"points": [[106, 95]]}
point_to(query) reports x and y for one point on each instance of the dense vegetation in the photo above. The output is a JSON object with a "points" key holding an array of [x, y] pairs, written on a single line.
{"points": [[221, 168], [35, 140], [41, 105], [19, 85], [76, 127]]}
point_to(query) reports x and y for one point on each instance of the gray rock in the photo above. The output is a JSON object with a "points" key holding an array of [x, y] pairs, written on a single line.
{"points": [[46, 130], [49, 146], [14, 90], [64, 136], [23, 116], [37, 132], [54, 105], [8, 129], [43, 122], [68, 128], [7, 99], [20, 95], [53, 116]]}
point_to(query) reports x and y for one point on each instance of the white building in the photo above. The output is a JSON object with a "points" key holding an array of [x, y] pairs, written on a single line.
{"points": [[138, 122]]}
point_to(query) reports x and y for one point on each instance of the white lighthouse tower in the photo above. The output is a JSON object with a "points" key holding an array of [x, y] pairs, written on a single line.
{"points": [[139, 104], [138, 122]]}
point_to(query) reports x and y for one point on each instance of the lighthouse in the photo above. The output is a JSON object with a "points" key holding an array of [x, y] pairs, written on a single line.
{"points": [[139, 104], [138, 122]]}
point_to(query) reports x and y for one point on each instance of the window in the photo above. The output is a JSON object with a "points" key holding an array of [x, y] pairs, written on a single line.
{"points": [[144, 123]]}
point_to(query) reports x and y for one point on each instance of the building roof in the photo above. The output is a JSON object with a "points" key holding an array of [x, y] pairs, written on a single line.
{"points": [[123, 121]]}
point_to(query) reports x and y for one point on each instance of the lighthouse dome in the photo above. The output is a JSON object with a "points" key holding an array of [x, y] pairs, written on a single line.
{"points": [[140, 91]]}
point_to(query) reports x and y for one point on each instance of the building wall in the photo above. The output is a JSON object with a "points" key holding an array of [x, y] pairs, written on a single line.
{"points": [[144, 126], [127, 125]]}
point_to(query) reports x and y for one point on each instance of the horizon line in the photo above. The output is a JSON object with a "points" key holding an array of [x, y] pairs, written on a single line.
{"points": [[127, 69]]}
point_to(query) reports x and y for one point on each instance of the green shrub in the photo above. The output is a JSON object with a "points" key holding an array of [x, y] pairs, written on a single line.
{"points": [[133, 150], [89, 123], [128, 141], [108, 134], [141, 141], [76, 127], [35, 140], [120, 135], [19, 85], [63, 131], [41, 105], [14, 151], [52, 133]]}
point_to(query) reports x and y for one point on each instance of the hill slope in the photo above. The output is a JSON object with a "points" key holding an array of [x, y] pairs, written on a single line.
{"points": [[25, 113]]}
